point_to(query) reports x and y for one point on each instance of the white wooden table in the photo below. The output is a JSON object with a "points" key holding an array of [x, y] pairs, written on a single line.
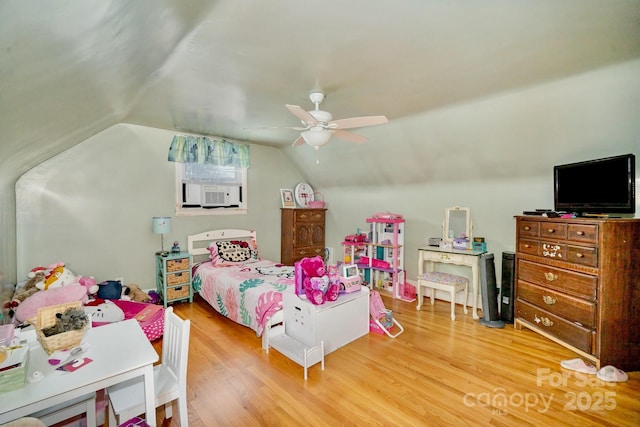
{"points": [[469, 258], [120, 351]]}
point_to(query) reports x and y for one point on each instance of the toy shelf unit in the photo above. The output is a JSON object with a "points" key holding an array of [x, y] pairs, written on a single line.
{"points": [[380, 256], [353, 251]]}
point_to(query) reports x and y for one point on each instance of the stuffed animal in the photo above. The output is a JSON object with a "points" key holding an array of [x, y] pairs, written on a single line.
{"points": [[72, 319], [29, 288], [28, 309], [313, 282], [110, 289], [90, 284], [154, 297], [106, 312], [57, 277], [134, 293]]}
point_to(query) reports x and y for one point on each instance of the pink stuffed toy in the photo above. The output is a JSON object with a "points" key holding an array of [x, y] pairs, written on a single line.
{"points": [[89, 283], [312, 281], [29, 307]]}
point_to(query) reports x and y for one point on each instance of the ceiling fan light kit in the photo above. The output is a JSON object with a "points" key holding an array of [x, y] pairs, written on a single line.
{"points": [[316, 138], [319, 125]]}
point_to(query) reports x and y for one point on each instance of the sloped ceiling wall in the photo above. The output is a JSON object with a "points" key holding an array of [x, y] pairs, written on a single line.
{"points": [[225, 68], [71, 69]]}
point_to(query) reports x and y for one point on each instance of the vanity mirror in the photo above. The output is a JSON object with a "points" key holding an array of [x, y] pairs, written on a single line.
{"points": [[456, 224]]}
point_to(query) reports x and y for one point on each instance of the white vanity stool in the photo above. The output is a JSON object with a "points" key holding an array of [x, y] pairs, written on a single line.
{"points": [[451, 283]]}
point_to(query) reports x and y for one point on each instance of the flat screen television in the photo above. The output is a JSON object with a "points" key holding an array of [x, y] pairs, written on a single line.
{"points": [[600, 186]]}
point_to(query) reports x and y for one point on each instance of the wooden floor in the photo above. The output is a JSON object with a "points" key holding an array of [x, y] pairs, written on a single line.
{"points": [[438, 372]]}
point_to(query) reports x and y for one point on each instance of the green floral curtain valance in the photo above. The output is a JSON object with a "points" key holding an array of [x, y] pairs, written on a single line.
{"points": [[200, 149]]}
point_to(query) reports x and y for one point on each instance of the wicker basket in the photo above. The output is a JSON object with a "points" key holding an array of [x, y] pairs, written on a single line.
{"points": [[317, 204], [64, 340]]}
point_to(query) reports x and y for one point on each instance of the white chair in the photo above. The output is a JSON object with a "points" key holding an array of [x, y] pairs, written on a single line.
{"points": [[451, 283], [126, 400], [64, 411]]}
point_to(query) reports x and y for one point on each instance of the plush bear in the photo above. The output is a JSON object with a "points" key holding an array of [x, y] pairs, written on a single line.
{"points": [[311, 280], [29, 288], [305, 269], [134, 293]]}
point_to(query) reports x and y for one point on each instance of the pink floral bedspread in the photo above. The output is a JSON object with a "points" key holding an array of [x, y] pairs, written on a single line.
{"points": [[248, 293]]}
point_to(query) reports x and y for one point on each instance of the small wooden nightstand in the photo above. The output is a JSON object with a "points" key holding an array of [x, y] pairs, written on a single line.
{"points": [[173, 277]]}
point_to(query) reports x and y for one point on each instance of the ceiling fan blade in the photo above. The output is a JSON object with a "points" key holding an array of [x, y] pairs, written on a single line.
{"points": [[357, 122], [300, 113], [349, 136], [298, 141]]}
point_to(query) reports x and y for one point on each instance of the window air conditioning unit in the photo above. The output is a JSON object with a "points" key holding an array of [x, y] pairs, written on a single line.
{"points": [[211, 196]]}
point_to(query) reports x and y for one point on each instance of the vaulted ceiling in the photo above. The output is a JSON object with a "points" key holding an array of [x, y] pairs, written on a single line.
{"points": [[70, 69]]}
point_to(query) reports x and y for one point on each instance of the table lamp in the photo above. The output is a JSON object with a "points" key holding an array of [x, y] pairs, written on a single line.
{"points": [[161, 226]]}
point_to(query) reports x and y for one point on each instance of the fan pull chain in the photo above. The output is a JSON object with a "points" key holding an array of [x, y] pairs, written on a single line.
{"points": [[317, 159]]}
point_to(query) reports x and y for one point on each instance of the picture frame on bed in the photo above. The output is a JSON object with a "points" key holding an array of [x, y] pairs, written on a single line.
{"points": [[286, 195]]}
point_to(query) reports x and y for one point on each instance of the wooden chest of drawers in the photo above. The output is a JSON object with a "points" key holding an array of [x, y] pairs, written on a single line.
{"points": [[578, 283], [302, 234]]}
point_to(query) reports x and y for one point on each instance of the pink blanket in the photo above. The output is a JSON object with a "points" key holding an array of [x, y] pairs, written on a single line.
{"points": [[248, 293]]}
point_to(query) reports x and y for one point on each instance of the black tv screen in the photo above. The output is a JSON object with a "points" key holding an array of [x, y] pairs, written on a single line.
{"points": [[599, 186]]}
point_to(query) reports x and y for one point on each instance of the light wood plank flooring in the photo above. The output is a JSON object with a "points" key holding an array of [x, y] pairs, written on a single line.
{"points": [[437, 373]]}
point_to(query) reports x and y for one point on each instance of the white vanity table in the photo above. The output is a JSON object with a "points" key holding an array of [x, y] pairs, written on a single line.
{"points": [[457, 223], [429, 256]]}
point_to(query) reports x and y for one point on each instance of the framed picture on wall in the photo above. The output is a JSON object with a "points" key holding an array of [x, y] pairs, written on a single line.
{"points": [[286, 195]]}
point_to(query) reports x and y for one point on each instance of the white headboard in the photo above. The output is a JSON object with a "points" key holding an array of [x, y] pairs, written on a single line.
{"points": [[198, 243]]}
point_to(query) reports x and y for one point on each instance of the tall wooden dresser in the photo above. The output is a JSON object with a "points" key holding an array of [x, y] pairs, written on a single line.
{"points": [[578, 283], [302, 234]]}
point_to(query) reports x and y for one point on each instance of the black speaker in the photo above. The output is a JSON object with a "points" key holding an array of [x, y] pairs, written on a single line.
{"points": [[489, 291], [507, 286]]}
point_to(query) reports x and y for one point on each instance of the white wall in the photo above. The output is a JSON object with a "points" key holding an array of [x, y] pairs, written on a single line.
{"points": [[493, 155], [91, 206]]}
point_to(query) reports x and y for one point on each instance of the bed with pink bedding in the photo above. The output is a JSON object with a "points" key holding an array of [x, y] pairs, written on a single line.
{"points": [[229, 274]]}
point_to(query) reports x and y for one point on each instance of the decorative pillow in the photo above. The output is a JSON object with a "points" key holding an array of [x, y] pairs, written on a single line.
{"points": [[232, 252]]}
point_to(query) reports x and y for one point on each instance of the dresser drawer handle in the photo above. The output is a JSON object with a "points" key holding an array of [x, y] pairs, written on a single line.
{"points": [[526, 245], [547, 322], [445, 256], [580, 233], [549, 300], [527, 228], [551, 230], [579, 255], [550, 276], [303, 215]]}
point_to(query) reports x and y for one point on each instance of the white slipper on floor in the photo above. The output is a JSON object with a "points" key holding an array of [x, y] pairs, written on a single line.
{"points": [[612, 374], [579, 365]]}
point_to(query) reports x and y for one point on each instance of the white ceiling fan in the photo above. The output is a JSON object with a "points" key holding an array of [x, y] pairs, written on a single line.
{"points": [[319, 125]]}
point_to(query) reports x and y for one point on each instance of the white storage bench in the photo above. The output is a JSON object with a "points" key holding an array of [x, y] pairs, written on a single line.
{"points": [[309, 332]]}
